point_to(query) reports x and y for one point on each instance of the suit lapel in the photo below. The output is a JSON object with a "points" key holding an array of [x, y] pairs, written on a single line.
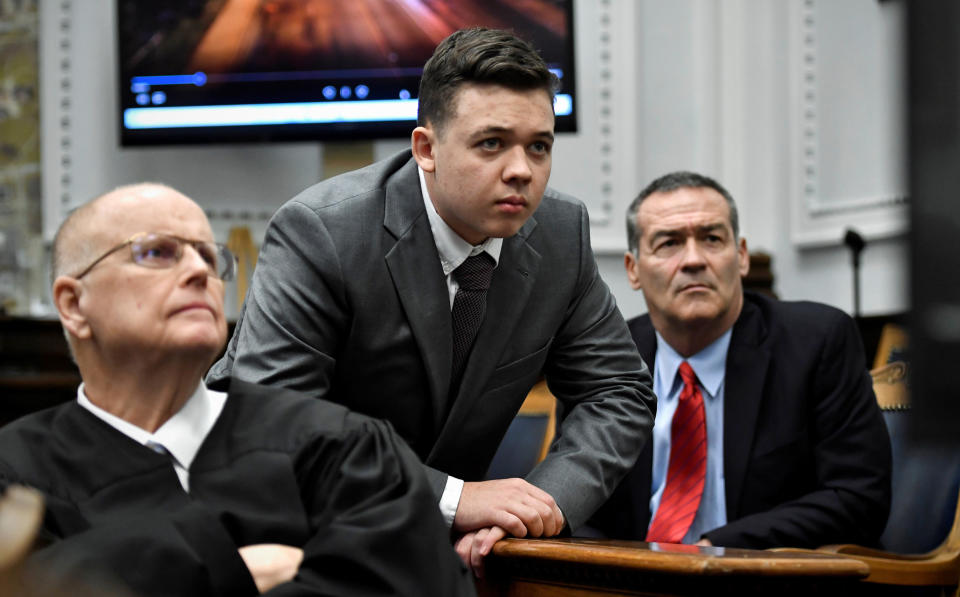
{"points": [[746, 372], [414, 266], [646, 340], [509, 292]]}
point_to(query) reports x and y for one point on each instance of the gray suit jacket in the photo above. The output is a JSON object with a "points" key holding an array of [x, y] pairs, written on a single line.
{"points": [[349, 302]]}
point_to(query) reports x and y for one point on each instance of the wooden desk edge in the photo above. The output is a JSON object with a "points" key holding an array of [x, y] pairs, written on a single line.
{"points": [[637, 555]]}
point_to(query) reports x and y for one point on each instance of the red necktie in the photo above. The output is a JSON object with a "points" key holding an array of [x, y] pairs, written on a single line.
{"points": [[688, 465]]}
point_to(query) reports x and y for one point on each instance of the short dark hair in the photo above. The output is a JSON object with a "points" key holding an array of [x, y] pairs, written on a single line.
{"points": [[671, 182], [478, 55]]}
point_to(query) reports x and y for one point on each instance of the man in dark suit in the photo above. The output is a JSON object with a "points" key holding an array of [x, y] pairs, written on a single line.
{"points": [[795, 451], [355, 298]]}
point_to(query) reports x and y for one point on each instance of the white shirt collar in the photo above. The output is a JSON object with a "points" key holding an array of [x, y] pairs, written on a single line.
{"points": [[181, 435], [452, 248]]}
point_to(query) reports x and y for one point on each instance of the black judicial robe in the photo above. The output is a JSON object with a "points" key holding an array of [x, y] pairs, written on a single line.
{"points": [[290, 470]]}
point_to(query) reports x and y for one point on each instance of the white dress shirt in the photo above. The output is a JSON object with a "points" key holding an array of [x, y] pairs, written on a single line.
{"points": [[180, 436], [453, 251]]}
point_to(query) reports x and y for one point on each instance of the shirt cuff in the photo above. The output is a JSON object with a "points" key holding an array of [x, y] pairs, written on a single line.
{"points": [[450, 499]]}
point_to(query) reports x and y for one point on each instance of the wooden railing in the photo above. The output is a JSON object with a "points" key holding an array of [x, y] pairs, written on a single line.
{"points": [[580, 567]]}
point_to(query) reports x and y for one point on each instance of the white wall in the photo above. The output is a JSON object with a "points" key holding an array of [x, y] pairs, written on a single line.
{"points": [[753, 93], [731, 88]]}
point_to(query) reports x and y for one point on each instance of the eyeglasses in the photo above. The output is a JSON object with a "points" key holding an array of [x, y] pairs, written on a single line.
{"points": [[161, 251]]}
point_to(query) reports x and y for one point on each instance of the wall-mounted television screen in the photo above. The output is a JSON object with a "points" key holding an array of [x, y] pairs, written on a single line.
{"points": [[214, 71]]}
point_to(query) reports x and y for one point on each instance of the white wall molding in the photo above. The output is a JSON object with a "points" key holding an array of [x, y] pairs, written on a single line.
{"points": [[733, 91], [848, 140], [598, 164], [617, 126], [56, 81]]}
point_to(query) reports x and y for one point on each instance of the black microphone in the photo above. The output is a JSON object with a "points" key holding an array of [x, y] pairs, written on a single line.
{"points": [[855, 243]]}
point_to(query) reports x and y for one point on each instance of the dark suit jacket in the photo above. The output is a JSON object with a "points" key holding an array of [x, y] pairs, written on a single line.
{"points": [[349, 302], [806, 452]]}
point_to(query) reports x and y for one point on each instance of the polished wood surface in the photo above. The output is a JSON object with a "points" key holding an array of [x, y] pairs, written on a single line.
{"points": [[939, 568], [759, 277], [21, 511], [603, 567], [890, 386]]}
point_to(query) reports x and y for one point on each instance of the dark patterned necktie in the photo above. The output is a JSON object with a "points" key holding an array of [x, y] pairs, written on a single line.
{"points": [[473, 277], [688, 465]]}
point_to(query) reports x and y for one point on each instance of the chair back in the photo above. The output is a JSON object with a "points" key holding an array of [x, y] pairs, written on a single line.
{"points": [[922, 537], [925, 480], [529, 436]]}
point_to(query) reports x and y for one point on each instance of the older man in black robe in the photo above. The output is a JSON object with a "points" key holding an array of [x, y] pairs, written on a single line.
{"points": [[170, 488]]}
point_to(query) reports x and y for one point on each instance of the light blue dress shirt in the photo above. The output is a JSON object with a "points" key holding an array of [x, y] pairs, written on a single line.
{"points": [[709, 365]]}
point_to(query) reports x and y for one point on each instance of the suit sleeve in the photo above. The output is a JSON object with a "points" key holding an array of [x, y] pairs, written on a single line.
{"points": [[605, 394], [851, 452], [293, 313], [377, 529]]}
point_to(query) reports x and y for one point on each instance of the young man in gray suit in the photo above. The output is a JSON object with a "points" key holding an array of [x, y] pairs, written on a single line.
{"points": [[357, 298]]}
